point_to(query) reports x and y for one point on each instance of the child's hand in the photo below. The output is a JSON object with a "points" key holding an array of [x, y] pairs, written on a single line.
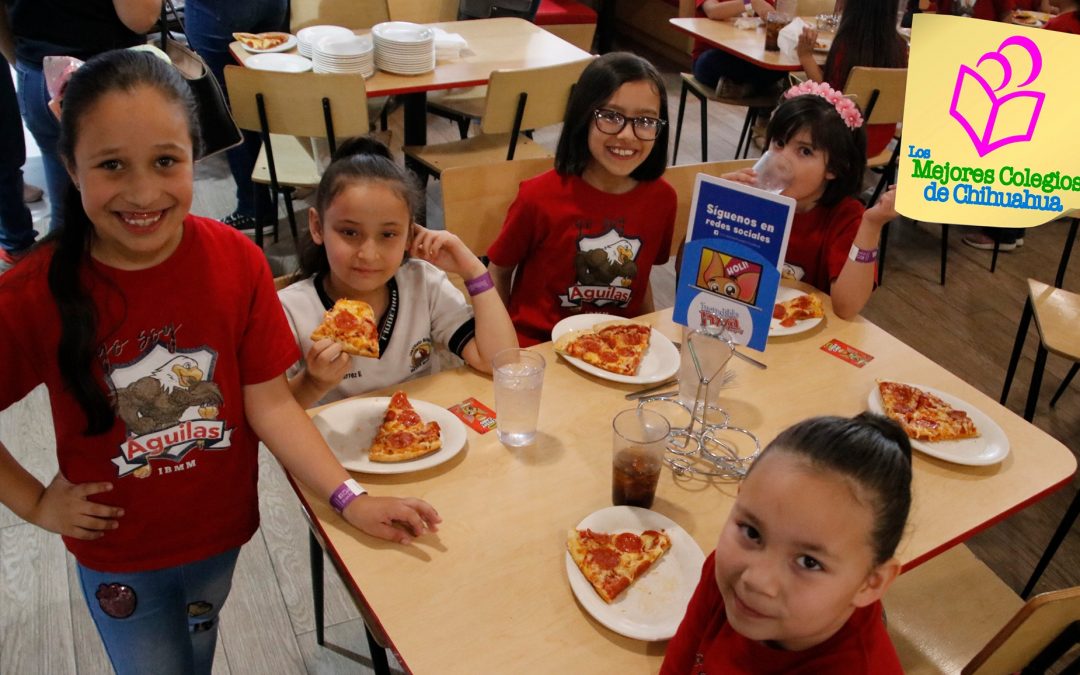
{"points": [[65, 509], [326, 363], [392, 518], [445, 251], [885, 209], [745, 176], [807, 41]]}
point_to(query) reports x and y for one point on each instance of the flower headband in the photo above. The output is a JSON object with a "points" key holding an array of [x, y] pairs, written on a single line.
{"points": [[845, 107]]}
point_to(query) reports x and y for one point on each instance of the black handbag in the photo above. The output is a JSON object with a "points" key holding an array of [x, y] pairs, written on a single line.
{"points": [[219, 130]]}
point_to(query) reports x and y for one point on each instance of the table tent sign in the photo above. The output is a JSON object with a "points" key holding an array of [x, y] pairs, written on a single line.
{"points": [[990, 135], [735, 246]]}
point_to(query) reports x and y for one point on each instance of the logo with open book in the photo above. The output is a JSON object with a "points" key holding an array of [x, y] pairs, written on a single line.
{"points": [[997, 116]]}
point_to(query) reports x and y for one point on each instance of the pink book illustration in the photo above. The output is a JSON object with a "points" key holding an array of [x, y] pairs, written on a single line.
{"points": [[990, 119]]}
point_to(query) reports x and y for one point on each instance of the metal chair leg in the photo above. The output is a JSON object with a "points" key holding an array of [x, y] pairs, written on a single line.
{"points": [[944, 251], [994, 256], [291, 213], [1052, 547], [881, 253], [1065, 384], [704, 128], [1036, 382], [1018, 348], [379, 663], [678, 124], [316, 554], [743, 134]]}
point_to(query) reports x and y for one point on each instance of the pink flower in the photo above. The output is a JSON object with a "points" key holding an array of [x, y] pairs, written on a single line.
{"points": [[845, 107]]}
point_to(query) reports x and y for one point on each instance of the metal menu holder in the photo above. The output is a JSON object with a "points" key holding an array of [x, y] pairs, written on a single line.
{"points": [[709, 444]]}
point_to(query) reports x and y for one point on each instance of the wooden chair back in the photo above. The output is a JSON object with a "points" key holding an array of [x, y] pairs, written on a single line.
{"points": [[547, 91], [682, 178], [890, 85], [1032, 630], [476, 198], [348, 13], [293, 102], [423, 11]]}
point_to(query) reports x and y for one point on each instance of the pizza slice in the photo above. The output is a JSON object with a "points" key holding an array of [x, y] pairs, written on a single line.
{"points": [[261, 41], [617, 347], [799, 308], [403, 435], [352, 324], [922, 415], [612, 562]]}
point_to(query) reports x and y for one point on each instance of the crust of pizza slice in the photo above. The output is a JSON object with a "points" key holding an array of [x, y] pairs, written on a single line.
{"points": [[613, 561], [352, 324], [403, 435], [617, 346], [923, 416]]}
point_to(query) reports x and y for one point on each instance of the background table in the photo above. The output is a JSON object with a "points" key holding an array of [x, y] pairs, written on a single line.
{"points": [[489, 592], [494, 44], [746, 44]]}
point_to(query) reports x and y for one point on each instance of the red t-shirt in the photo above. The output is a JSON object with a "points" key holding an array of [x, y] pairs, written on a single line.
{"points": [[579, 250], [706, 644], [1068, 22], [990, 10], [820, 241], [176, 344]]}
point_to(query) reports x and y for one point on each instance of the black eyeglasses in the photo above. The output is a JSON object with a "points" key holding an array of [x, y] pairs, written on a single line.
{"points": [[612, 122]]}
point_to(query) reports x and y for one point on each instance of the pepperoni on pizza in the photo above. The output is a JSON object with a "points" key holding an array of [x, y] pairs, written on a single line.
{"points": [[617, 347], [611, 562], [403, 435], [352, 324]]}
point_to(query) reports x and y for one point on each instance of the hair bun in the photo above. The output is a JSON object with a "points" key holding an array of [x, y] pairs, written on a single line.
{"points": [[362, 146], [890, 430]]}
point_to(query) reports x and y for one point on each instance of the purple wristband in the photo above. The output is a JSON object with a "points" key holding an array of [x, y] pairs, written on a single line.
{"points": [[479, 284], [345, 493]]}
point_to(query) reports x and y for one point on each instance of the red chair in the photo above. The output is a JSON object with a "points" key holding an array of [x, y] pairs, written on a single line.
{"points": [[571, 20]]}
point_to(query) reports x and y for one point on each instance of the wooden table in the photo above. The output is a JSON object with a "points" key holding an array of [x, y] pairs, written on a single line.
{"points": [[494, 44], [748, 45], [489, 592]]}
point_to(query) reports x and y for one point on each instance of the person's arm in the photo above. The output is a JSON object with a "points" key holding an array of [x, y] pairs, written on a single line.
{"points": [[722, 9], [138, 15], [289, 433], [805, 50], [62, 507], [502, 277], [762, 7], [853, 287], [7, 38]]}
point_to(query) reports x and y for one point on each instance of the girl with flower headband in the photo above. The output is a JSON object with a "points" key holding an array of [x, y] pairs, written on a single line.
{"points": [[834, 240]]}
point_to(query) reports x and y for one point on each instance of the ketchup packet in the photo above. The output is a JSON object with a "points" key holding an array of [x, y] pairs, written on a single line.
{"points": [[475, 415], [847, 353]]}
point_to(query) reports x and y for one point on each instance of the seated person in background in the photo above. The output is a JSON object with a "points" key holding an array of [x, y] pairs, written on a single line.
{"points": [[866, 37], [732, 76], [796, 580], [1068, 21], [990, 10]]}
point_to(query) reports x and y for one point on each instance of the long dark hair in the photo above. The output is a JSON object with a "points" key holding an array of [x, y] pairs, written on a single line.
{"points": [[356, 160], [845, 148], [865, 37], [597, 84], [871, 450], [122, 70]]}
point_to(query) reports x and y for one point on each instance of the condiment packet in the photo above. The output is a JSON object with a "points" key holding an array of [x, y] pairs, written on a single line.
{"points": [[475, 415], [847, 353]]}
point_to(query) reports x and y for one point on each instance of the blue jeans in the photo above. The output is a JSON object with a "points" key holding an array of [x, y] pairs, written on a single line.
{"points": [[160, 622], [713, 64], [16, 225], [45, 128], [210, 25]]}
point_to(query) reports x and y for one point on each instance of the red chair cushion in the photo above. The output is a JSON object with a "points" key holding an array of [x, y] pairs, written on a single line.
{"points": [[554, 12]]}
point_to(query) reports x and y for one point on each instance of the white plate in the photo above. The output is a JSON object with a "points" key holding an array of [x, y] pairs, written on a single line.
{"points": [[349, 428], [288, 44], [824, 49], [402, 32], [312, 34], [281, 63], [990, 447], [661, 360], [653, 606], [344, 45], [783, 294]]}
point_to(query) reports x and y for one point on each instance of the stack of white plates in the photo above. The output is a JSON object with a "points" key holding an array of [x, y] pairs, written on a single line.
{"points": [[341, 54], [307, 37], [404, 48]]}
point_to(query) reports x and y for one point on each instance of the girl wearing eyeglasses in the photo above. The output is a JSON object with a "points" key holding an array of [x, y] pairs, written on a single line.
{"points": [[583, 237]]}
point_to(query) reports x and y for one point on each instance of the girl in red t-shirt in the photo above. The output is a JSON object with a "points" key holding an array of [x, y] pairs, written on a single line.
{"points": [[833, 243], [585, 236], [796, 580], [159, 397]]}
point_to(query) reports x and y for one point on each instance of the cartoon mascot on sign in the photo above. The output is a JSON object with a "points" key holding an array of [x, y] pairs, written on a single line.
{"points": [[158, 400], [602, 266]]}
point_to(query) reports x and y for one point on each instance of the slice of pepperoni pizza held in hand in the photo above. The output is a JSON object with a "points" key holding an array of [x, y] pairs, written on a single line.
{"points": [[403, 434], [612, 562], [351, 323]]}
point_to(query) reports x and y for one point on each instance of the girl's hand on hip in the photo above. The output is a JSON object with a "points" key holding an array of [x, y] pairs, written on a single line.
{"points": [[327, 363], [885, 208], [64, 508], [392, 518], [445, 251]]}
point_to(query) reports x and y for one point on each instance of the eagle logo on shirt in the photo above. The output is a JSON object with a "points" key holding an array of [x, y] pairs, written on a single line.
{"points": [[170, 405], [605, 268]]}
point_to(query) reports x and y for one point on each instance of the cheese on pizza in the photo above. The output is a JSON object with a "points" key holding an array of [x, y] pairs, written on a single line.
{"points": [[618, 347], [922, 415], [261, 41], [806, 306], [611, 562], [403, 435], [351, 323]]}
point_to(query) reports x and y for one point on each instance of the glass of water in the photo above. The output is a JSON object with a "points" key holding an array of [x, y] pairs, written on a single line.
{"points": [[774, 172], [519, 377]]}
